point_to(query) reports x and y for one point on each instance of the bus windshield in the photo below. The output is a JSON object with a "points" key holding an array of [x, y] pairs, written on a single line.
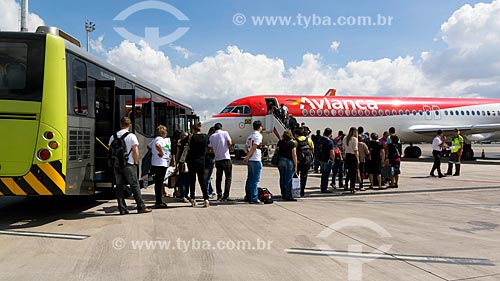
{"points": [[21, 69]]}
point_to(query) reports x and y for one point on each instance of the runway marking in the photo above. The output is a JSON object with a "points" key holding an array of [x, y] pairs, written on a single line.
{"points": [[44, 234], [387, 256]]}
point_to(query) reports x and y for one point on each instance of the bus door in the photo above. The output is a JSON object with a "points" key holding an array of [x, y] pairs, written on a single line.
{"points": [[109, 108], [191, 118]]}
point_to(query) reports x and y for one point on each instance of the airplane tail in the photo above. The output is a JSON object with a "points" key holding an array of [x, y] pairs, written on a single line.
{"points": [[331, 92]]}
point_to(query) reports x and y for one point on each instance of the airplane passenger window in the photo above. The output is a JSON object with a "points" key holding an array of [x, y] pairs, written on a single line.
{"points": [[334, 112], [311, 112], [451, 112], [488, 113], [394, 112], [457, 113], [478, 113], [473, 112], [401, 112], [374, 112], [499, 113], [462, 112], [341, 112], [437, 112], [414, 112], [484, 113], [421, 112], [360, 112], [320, 112], [327, 112], [381, 112], [446, 112], [387, 112], [467, 112], [367, 112]]}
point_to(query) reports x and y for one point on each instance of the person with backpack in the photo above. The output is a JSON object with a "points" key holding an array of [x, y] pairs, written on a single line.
{"points": [[305, 157], [287, 164], [161, 159], [124, 158], [253, 160]]}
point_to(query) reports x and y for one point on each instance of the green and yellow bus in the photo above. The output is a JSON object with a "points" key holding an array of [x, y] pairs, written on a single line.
{"points": [[58, 107]]}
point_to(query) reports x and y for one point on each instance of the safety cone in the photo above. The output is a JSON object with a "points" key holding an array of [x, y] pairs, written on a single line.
{"points": [[483, 156]]}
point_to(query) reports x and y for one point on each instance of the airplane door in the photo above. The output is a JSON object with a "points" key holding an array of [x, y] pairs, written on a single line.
{"points": [[436, 112], [427, 112]]}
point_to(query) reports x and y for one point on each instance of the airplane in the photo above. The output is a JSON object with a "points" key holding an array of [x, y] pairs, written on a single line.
{"points": [[416, 119]]}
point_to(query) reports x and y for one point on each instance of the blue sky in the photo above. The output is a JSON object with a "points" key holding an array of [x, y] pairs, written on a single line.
{"points": [[415, 25], [432, 48]]}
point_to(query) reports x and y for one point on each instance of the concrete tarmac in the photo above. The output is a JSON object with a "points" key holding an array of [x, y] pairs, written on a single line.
{"points": [[427, 229]]}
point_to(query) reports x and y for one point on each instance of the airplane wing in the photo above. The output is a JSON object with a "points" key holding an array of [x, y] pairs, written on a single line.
{"points": [[464, 129]]}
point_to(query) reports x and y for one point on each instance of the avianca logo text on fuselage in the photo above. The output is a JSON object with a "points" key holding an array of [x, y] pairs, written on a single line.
{"points": [[327, 103]]}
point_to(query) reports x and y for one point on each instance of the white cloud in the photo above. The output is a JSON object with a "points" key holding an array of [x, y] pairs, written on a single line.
{"points": [[334, 47], [181, 50], [10, 17], [97, 45]]}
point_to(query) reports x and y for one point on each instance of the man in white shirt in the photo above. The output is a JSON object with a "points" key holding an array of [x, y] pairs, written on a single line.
{"points": [[128, 174], [254, 162], [220, 141], [437, 146]]}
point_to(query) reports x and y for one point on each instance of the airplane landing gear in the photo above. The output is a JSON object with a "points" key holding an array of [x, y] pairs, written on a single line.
{"points": [[413, 152], [468, 153]]}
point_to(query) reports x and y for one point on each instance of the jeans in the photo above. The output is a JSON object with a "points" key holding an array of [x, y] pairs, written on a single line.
{"points": [[351, 164], [338, 169], [326, 168], [303, 171], [286, 169], [253, 178], [208, 176], [128, 175], [197, 169], [159, 177], [183, 185], [226, 167]]}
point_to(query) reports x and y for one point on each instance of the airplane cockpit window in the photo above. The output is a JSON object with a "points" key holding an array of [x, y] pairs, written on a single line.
{"points": [[242, 110], [247, 110], [227, 109]]}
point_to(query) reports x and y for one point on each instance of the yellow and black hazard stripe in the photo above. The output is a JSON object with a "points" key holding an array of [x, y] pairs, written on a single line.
{"points": [[42, 179]]}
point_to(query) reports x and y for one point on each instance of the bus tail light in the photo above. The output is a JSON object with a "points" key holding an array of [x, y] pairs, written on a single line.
{"points": [[48, 135], [53, 144], [43, 154]]}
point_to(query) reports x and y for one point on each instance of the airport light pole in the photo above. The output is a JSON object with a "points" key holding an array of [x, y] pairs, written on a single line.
{"points": [[89, 27]]}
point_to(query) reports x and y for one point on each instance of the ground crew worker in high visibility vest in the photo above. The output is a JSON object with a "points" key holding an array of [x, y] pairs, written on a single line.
{"points": [[457, 147]]}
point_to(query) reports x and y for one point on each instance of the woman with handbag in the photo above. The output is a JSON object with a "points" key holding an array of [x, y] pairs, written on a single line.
{"points": [[161, 158], [287, 164], [182, 170]]}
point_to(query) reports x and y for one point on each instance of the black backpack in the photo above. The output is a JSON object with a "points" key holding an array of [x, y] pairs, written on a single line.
{"points": [[265, 195], [304, 152], [117, 154]]}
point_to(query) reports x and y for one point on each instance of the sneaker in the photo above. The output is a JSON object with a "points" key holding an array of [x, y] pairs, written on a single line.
{"points": [[258, 202], [193, 202], [206, 204], [212, 196], [145, 210]]}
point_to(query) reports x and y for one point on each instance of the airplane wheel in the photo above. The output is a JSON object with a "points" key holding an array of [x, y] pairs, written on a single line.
{"points": [[468, 154], [413, 152]]}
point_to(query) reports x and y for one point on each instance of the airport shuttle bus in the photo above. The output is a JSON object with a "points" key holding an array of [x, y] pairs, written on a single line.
{"points": [[59, 105], [416, 119]]}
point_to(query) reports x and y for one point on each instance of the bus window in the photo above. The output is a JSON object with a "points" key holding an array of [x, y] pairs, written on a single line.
{"points": [[21, 69], [143, 117], [79, 97]]}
